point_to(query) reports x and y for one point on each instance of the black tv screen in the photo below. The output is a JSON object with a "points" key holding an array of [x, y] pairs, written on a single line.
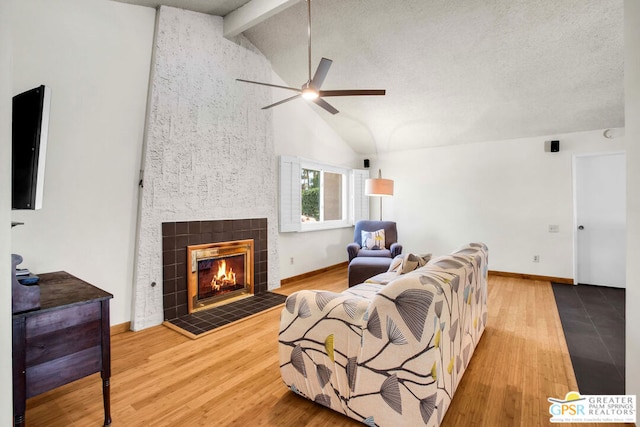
{"points": [[29, 138]]}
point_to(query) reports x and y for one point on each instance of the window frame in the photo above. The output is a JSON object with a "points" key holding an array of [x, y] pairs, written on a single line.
{"points": [[355, 204]]}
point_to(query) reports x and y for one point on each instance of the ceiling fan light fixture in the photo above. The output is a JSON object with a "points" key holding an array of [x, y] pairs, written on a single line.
{"points": [[309, 93], [311, 90]]}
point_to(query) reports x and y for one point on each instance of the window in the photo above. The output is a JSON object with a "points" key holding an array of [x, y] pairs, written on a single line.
{"points": [[322, 196], [315, 196]]}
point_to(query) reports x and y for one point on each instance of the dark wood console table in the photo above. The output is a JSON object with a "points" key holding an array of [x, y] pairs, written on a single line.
{"points": [[67, 338]]}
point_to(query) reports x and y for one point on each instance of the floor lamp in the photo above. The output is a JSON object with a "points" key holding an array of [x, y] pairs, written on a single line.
{"points": [[378, 187]]}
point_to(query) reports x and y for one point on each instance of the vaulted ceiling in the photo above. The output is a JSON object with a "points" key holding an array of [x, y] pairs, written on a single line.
{"points": [[455, 71]]}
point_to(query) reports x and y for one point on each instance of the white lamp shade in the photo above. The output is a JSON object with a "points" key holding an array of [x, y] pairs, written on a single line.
{"points": [[378, 187]]}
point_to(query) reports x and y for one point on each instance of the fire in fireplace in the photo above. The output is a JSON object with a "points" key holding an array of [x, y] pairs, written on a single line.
{"points": [[219, 271], [218, 276]]}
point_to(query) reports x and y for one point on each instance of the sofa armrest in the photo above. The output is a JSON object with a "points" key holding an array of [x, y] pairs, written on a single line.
{"points": [[319, 341], [308, 315], [352, 250], [396, 249]]}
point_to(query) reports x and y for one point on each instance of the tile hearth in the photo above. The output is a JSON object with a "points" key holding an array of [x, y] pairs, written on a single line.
{"points": [[198, 323]]}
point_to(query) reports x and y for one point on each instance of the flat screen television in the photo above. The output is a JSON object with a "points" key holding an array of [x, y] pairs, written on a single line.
{"points": [[29, 147]]}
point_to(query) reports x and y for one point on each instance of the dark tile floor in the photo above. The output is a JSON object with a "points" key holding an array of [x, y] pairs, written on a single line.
{"points": [[593, 322], [207, 320]]}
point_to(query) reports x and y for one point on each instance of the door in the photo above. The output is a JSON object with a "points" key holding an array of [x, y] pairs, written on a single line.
{"points": [[600, 214]]}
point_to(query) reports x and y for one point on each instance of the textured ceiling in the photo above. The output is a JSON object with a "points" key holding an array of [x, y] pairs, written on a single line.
{"points": [[455, 71]]}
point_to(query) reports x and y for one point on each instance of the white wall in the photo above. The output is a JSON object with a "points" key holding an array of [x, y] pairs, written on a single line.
{"points": [[6, 403], [300, 131], [503, 193], [632, 137], [95, 56]]}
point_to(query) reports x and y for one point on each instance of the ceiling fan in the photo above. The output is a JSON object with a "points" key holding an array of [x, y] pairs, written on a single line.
{"points": [[311, 90]]}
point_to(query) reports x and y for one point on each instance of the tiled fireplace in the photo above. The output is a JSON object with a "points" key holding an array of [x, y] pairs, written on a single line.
{"points": [[177, 237]]}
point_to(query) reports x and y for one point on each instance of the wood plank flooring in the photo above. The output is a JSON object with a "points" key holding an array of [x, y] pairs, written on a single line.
{"points": [[231, 377]]}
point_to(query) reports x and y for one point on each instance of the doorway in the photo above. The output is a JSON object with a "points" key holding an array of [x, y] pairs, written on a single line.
{"points": [[600, 219]]}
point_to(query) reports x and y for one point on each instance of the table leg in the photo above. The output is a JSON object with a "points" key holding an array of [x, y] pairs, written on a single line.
{"points": [[106, 362], [106, 400], [18, 420], [19, 365]]}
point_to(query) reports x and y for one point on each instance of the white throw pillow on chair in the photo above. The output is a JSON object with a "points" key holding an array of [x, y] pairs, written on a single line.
{"points": [[373, 239]]}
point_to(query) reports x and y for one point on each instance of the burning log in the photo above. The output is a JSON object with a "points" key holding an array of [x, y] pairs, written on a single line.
{"points": [[224, 278]]}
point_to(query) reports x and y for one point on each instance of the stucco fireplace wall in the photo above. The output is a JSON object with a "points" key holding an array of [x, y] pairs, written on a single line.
{"points": [[209, 152]]}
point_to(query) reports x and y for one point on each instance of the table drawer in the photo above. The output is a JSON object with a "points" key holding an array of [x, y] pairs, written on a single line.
{"points": [[56, 320], [56, 372], [53, 345], [62, 346]]}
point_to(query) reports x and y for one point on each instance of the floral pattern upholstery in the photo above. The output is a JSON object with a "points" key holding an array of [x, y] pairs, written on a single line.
{"points": [[388, 355]]}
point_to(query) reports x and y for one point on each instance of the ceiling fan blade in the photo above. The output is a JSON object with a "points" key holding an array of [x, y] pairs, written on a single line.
{"points": [[321, 73], [269, 84], [352, 92], [281, 102], [324, 104]]}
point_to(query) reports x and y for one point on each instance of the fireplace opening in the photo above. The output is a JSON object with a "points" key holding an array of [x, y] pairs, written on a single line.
{"points": [[219, 272], [219, 276]]}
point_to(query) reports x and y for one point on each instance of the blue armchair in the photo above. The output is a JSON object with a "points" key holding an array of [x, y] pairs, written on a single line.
{"points": [[391, 246]]}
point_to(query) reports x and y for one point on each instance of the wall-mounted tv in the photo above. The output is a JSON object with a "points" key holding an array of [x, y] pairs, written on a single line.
{"points": [[29, 137]]}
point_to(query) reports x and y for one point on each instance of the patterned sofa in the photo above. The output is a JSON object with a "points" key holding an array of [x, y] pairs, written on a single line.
{"points": [[388, 355]]}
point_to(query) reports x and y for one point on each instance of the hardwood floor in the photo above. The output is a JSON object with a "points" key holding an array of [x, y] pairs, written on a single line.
{"points": [[231, 377]]}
